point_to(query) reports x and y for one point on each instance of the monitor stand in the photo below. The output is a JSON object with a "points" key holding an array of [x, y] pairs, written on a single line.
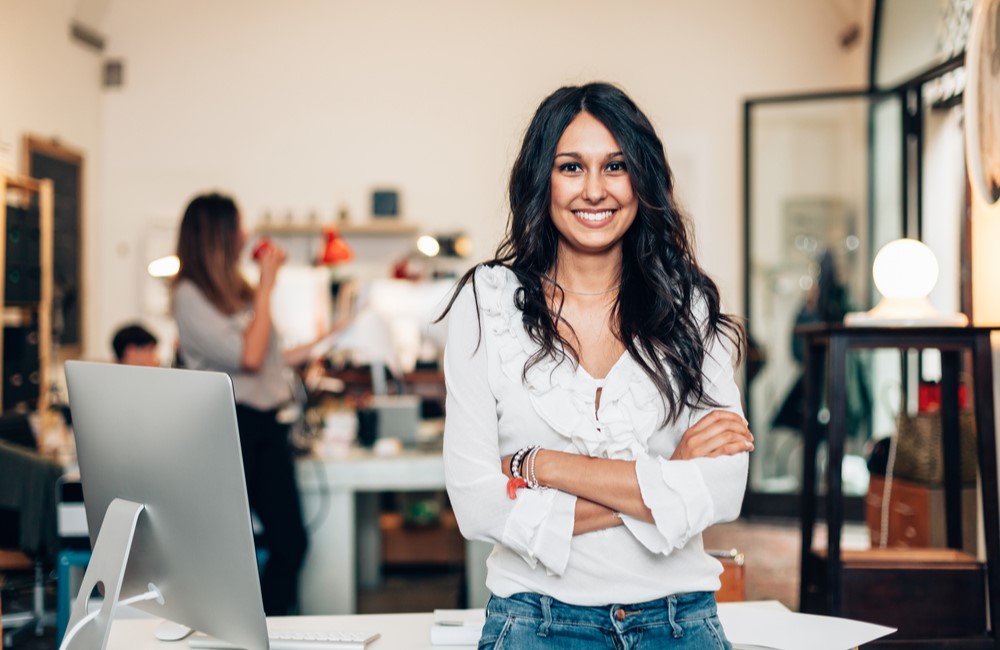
{"points": [[107, 567]]}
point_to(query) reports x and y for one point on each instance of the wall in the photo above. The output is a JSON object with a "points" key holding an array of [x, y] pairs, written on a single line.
{"points": [[50, 87], [309, 104]]}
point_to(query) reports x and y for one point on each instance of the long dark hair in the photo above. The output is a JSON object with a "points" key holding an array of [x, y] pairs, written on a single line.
{"points": [[660, 280], [207, 247]]}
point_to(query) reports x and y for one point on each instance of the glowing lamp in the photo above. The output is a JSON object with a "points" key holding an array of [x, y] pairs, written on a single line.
{"points": [[428, 245], [905, 271], [335, 249], [164, 267]]}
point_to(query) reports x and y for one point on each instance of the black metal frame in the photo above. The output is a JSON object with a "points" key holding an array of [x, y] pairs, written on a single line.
{"points": [[910, 95]]}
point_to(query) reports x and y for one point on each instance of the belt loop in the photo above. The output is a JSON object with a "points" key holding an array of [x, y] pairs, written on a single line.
{"points": [[546, 603], [671, 614]]}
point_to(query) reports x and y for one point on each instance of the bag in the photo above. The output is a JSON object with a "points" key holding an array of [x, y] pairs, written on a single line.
{"points": [[919, 455]]}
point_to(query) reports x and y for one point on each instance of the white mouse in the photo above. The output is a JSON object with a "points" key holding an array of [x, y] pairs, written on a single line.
{"points": [[170, 631]]}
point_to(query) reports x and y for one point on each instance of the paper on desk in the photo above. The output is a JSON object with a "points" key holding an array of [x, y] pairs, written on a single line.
{"points": [[457, 627], [747, 627]]}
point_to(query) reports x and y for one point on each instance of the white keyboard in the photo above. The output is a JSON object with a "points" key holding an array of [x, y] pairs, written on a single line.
{"points": [[298, 640]]}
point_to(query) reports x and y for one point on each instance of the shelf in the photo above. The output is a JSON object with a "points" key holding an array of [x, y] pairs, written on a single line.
{"points": [[23, 183], [371, 228], [26, 313]]}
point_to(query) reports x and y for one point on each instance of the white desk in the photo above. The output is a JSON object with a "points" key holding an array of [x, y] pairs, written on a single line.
{"points": [[410, 631], [339, 494]]}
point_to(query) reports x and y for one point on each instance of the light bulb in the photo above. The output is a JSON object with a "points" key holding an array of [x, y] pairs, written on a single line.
{"points": [[905, 268], [905, 271], [428, 245], [164, 267]]}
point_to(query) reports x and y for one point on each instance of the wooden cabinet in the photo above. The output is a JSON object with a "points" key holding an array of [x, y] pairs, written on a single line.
{"points": [[915, 516], [25, 291], [832, 580]]}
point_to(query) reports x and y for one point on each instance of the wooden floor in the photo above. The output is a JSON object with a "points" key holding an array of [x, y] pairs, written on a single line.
{"points": [[770, 548]]}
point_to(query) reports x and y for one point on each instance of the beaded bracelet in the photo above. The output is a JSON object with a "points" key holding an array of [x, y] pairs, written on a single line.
{"points": [[516, 460], [516, 481]]}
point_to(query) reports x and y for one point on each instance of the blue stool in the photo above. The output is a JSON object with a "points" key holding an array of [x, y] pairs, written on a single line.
{"points": [[66, 559], [69, 558]]}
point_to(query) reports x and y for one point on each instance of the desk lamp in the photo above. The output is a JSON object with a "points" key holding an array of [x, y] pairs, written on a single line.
{"points": [[905, 271], [335, 248]]}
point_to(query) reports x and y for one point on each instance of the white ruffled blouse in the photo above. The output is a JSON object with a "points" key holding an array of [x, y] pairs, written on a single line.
{"points": [[493, 410]]}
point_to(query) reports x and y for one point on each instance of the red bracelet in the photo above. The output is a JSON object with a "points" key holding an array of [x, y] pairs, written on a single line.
{"points": [[514, 484]]}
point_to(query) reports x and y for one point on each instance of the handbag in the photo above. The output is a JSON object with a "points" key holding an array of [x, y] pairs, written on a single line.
{"points": [[919, 454]]}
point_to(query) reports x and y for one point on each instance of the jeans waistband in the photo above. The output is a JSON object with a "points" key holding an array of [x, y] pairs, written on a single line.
{"points": [[680, 607]]}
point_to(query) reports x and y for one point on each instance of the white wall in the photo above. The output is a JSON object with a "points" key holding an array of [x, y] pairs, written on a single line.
{"points": [[309, 104], [50, 87]]}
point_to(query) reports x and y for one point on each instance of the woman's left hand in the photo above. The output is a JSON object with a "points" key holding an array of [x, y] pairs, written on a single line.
{"points": [[717, 434]]}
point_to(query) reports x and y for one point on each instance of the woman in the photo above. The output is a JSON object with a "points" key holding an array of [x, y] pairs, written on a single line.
{"points": [[594, 428], [224, 324]]}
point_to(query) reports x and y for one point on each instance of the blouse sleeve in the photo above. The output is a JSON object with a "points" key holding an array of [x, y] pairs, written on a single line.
{"points": [[688, 496], [205, 333], [538, 524]]}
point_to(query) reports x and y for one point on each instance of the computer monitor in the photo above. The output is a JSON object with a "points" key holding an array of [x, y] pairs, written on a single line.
{"points": [[168, 440]]}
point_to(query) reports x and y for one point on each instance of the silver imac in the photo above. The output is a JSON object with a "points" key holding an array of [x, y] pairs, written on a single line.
{"points": [[166, 502]]}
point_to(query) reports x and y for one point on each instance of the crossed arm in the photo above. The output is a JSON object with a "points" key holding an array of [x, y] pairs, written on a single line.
{"points": [[606, 487]]}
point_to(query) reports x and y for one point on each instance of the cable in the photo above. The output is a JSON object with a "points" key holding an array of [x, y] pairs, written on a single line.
{"points": [[883, 533], [152, 594]]}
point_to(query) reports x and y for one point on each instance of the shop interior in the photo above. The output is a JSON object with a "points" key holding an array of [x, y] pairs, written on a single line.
{"points": [[372, 142]]}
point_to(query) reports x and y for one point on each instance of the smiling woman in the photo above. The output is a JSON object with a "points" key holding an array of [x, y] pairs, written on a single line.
{"points": [[594, 428]]}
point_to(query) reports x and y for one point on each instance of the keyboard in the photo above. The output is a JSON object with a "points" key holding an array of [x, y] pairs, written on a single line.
{"points": [[297, 640]]}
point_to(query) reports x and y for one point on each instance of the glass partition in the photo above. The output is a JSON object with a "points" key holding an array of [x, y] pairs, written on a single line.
{"points": [[810, 241]]}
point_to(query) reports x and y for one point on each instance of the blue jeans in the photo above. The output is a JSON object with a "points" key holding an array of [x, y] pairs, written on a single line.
{"points": [[528, 621]]}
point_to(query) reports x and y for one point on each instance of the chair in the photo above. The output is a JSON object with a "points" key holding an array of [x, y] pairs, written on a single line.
{"points": [[27, 515]]}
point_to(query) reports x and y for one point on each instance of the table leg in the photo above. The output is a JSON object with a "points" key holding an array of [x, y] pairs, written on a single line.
{"points": [[951, 448], [835, 434], [369, 540], [328, 583], [982, 368], [812, 373], [476, 553]]}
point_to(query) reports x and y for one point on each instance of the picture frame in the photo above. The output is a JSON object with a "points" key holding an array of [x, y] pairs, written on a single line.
{"points": [[982, 102]]}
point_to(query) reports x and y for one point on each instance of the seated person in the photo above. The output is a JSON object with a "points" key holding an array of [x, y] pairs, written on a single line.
{"points": [[134, 345]]}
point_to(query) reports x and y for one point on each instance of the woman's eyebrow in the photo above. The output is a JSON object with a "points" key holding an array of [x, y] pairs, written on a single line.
{"points": [[573, 154]]}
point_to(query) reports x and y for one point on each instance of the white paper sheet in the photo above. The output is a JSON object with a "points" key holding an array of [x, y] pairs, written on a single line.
{"points": [[457, 627], [749, 626]]}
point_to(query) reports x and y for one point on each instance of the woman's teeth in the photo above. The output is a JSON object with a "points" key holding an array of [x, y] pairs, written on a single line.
{"points": [[594, 216]]}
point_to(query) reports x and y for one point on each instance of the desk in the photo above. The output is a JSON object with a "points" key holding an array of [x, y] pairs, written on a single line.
{"points": [[412, 631], [339, 494], [826, 349]]}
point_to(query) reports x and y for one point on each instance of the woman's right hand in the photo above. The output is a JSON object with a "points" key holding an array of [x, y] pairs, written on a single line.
{"points": [[269, 258], [717, 434]]}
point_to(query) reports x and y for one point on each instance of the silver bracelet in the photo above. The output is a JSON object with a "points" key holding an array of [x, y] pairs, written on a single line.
{"points": [[532, 478]]}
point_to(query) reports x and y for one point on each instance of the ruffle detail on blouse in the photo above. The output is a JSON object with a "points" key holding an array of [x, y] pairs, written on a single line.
{"points": [[676, 494], [630, 406], [540, 529]]}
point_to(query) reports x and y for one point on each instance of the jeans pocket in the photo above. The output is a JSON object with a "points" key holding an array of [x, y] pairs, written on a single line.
{"points": [[714, 626], [495, 631], [693, 634]]}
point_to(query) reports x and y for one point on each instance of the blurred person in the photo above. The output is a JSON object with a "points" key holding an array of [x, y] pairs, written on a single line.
{"points": [[224, 324], [594, 426], [134, 345]]}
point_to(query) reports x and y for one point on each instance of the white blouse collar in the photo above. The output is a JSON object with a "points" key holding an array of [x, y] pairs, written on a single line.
{"points": [[561, 393]]}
